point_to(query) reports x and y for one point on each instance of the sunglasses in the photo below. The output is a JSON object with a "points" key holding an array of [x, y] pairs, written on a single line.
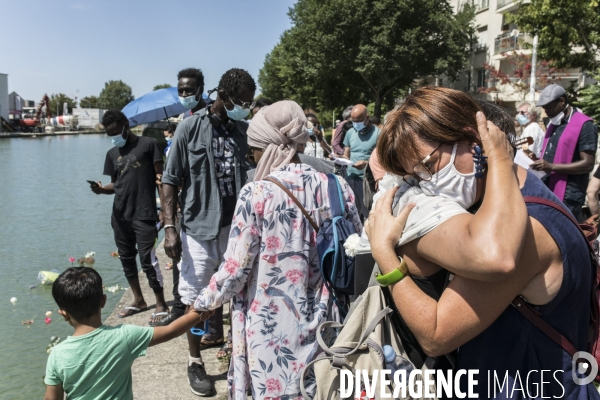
{"points": [[243, 104]]}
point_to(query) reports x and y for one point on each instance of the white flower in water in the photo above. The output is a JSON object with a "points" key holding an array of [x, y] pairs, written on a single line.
{"points": [[90, 254], [113, 289], [13, 300], [351, 244], [48, 314]]}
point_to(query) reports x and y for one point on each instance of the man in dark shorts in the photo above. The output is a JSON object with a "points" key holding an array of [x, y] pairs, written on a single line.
{"points": [[133, 165]]}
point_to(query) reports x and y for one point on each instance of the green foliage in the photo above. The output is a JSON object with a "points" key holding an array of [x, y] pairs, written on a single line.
{"points": [[115, 95], [89, 102], [162, 86], [589, 99], [56, 102], [562, 25], [342, 52]]}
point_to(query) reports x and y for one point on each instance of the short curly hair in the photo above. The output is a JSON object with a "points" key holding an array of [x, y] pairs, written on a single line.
{"points": [[192, 73], [236, 80], [113, 117]]}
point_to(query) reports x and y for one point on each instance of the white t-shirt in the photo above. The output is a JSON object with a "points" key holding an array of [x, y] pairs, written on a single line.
{"points": [[534, 131], [314, 149]]}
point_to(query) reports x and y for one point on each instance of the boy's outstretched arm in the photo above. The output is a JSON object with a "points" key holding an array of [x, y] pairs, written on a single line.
{"points": [[178, 327], [54, 392]]}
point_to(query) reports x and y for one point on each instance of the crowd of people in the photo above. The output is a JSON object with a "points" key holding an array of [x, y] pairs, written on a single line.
{"points": [[241, 203]]}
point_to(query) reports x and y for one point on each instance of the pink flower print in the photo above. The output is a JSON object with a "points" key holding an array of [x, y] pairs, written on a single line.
{"points": [[274, 308], [212, 285], [259, 207], [254, 306], [231, 266], [250, 333], [273, 385], [296, 224], [254, 231], [324, 291], [294, 275], [286, 342], [271, 344], [273, 243]]}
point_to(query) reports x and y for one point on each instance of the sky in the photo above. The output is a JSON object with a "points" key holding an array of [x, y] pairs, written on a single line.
{"points": [[74, 47]]}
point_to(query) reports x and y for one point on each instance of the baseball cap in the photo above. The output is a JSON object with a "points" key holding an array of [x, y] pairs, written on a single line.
{"points": [[550, 93]]}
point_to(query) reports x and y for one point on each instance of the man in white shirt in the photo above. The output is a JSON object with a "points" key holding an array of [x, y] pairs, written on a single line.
{"points": [[527, 116]]}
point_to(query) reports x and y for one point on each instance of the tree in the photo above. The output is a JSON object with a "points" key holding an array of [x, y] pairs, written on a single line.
{"points": [[562, 25], [89, 102], [56, 104], [115, 95], [341, 52], [162, 86], [589, 99], [519, 75]]}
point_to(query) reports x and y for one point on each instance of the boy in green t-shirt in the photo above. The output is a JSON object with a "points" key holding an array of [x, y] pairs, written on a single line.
{"points": [[95, 363]]}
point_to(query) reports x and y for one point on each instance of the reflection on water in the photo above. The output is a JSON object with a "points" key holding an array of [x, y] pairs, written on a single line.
{"points": [[48, 214]]}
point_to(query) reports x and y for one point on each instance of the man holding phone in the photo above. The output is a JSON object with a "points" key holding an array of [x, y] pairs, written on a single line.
{"points": [[134, 164]]}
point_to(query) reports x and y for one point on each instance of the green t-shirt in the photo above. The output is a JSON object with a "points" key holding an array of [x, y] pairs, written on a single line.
{"points": [[361, 146], [98, 365]]}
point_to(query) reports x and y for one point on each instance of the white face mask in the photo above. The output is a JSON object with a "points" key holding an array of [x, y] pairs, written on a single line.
{"points": [[450, 183], [556, 120]]}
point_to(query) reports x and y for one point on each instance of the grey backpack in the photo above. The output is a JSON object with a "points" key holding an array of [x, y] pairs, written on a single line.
{"points": [[358, 346]]}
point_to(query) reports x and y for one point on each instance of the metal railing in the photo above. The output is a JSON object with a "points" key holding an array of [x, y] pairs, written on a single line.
{"points": [[506, 42]]}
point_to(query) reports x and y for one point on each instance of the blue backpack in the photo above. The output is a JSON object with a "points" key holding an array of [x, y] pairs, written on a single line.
{"points": [[337, 268]]}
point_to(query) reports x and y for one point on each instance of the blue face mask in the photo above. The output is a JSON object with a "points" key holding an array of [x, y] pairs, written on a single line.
{"points": [[189, 102], [522, 119], [310, 131], [119, 140], [168, 139], [238, 113], [358, 126]]}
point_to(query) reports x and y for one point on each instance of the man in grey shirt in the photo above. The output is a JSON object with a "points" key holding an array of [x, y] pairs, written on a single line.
{"points": [[207, 161]]}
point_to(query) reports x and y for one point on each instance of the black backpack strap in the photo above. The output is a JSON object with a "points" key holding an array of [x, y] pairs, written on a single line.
{"points": [[336, 199]]}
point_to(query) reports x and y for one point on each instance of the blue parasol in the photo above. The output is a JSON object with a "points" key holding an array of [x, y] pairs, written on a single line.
{"points": [[153, 107]]}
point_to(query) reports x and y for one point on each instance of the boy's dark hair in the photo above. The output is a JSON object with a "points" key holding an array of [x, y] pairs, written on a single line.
{"points": [[192, 73], [78, 291], [236, 80], [263, 101], [113, 116]]}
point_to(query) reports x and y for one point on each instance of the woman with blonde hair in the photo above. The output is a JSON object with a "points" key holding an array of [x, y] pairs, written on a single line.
{"points": [[271, 269]]}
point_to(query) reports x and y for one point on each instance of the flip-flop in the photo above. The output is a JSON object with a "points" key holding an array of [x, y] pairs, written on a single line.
{"points": [[157, 314], [130, 311], [206, 344], [226, 351]]}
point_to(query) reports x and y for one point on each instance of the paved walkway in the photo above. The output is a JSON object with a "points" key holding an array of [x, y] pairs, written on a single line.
{"points": [[162, 374]]}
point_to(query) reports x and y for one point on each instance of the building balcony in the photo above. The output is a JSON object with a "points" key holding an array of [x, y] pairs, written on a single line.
{"points": [[503, 6], [506, 42]]}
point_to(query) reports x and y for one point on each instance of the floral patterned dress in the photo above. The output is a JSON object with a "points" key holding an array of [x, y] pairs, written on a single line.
{"points": [[271, 273]]}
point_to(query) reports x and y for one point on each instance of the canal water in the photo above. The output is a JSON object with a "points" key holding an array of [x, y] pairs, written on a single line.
{"points": [[48, 214]]}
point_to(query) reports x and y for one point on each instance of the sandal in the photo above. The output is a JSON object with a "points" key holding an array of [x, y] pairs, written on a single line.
{"points": [[129, 311], [225, 351], [157, 314], [206, 344]]}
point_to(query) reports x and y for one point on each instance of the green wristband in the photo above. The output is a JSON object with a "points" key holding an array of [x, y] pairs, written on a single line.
{"points": [[390, 278]]}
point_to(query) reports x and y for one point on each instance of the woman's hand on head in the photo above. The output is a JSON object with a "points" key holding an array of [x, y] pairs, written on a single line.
{"points": [[383, 229], [494, 141]]}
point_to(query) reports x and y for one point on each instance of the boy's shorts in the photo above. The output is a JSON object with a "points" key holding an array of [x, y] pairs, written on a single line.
{"points": [[199, 261]]}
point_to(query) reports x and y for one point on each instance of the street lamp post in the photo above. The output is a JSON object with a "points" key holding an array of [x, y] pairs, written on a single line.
{"points": [[533, 65]]}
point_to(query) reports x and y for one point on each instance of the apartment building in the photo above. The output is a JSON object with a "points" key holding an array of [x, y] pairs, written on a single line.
{"points": [[497, 40]]}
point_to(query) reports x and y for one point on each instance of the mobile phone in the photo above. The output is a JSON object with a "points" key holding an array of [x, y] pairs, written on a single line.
{"points": [[93, 183]]}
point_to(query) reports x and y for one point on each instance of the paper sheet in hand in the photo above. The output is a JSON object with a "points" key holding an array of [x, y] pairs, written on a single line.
{"points": [[341, 161], [524, 161]]}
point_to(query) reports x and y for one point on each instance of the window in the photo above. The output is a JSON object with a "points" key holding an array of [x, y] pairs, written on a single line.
{"points": [[468, 81], [483, 4], [482, 39], [481, 78]]}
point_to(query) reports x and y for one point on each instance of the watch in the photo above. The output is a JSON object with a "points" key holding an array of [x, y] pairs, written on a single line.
{"points": [[393, 277]]}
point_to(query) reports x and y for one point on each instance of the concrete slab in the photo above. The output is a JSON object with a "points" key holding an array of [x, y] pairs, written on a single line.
{"points": [[162, 374]]}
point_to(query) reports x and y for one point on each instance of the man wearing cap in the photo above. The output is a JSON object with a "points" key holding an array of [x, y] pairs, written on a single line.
{"points": [[569, 149]]}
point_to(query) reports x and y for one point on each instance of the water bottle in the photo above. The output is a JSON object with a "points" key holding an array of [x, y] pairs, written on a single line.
{"points": [[394, 362]]}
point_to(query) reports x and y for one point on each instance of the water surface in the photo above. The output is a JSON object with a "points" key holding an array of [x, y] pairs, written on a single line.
{"points": [[48, 214]]}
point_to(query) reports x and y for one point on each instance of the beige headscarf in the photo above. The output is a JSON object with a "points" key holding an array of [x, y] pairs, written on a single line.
{"points": [[278, 129]]}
